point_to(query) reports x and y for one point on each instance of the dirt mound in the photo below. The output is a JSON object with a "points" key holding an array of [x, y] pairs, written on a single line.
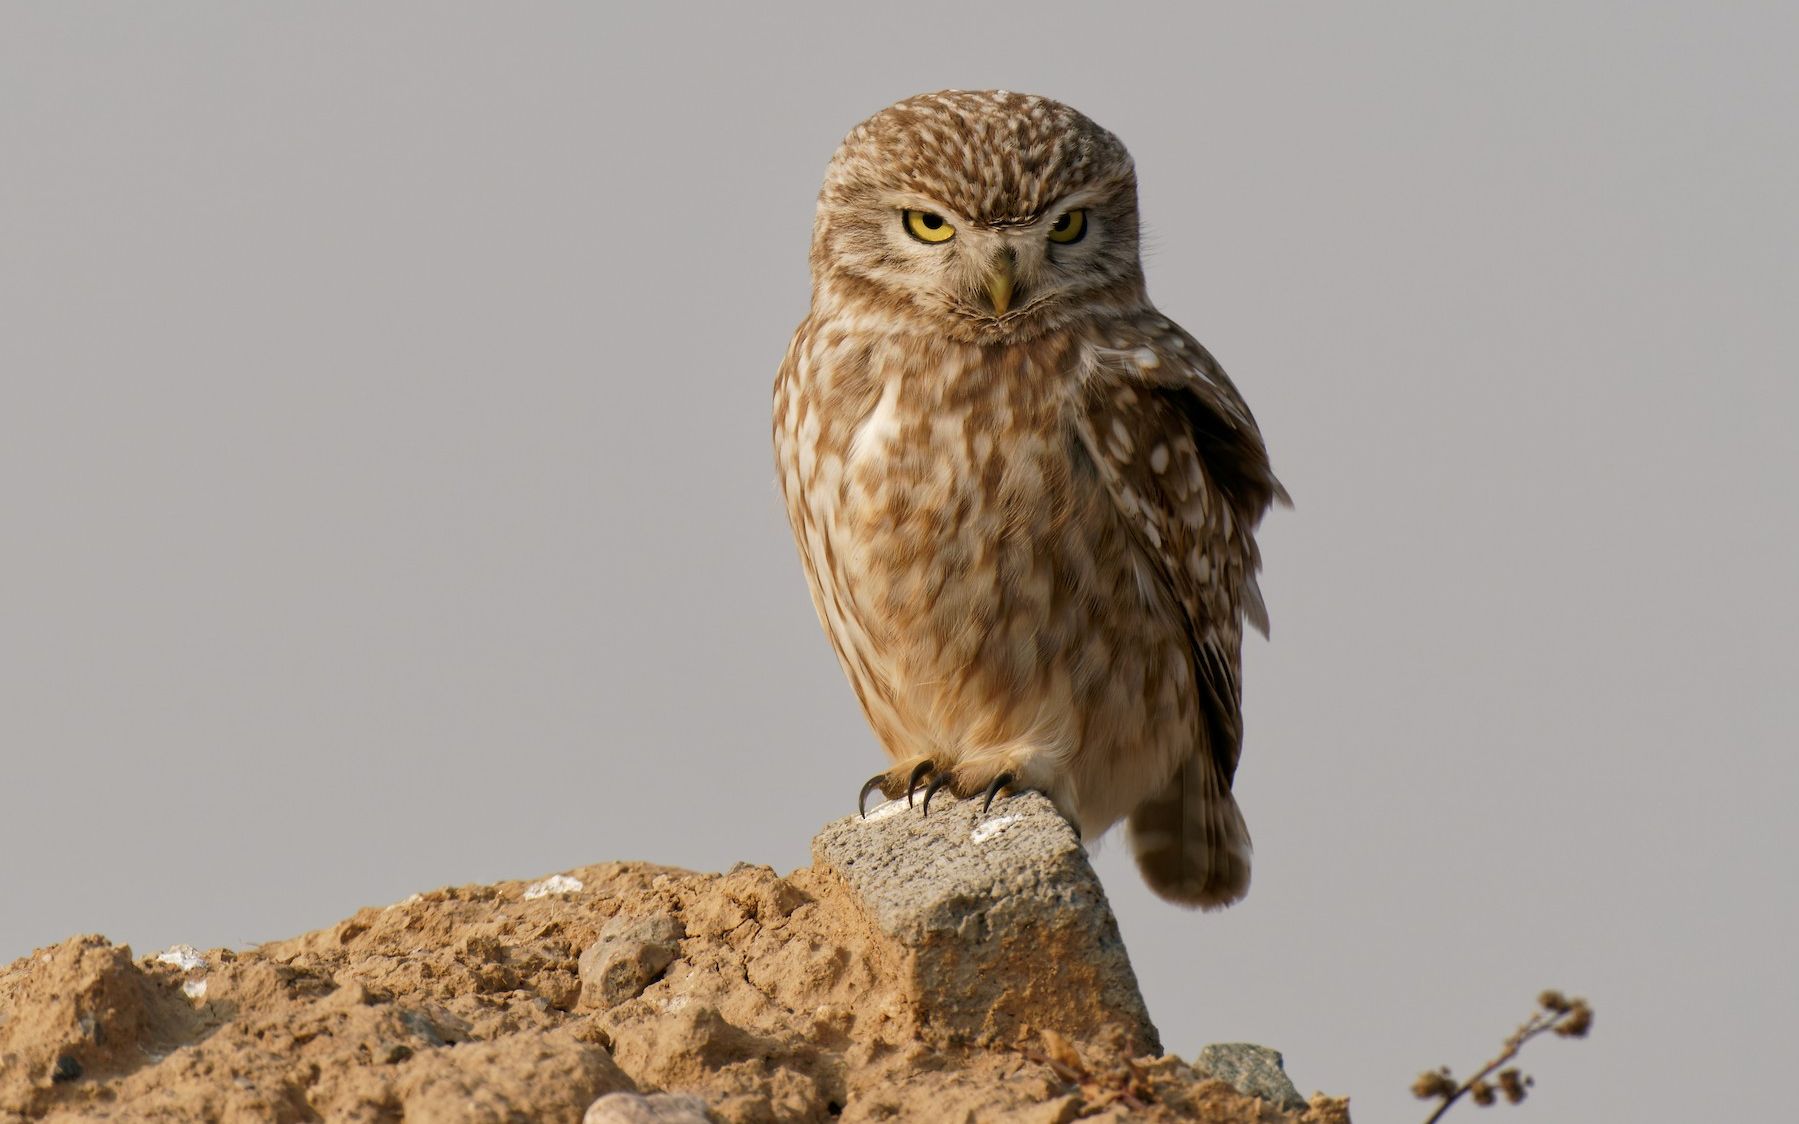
{"points": [[766, 998]]}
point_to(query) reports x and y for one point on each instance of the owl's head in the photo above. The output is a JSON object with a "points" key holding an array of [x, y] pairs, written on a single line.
{"points": [[984, 215]]}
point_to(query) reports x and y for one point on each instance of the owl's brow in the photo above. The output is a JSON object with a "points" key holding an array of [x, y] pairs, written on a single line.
{"points": [[1084, 197], [912, 201]]}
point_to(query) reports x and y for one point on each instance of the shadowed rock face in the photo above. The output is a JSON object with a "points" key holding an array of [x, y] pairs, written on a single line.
{"points": [[1002, 928], [963, 967]]}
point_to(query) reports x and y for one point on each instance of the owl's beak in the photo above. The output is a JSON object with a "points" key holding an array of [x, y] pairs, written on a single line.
{"points": [[1001, 283]]}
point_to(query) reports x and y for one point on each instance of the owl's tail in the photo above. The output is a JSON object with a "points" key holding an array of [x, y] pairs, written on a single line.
{"points": [[1190, 840]]}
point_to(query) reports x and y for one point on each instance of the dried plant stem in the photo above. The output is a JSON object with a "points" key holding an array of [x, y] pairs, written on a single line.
{"points": [[1539, 1023]]}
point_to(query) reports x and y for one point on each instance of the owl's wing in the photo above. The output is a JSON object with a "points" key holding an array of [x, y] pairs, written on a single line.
{"points": [[1184, 462]]}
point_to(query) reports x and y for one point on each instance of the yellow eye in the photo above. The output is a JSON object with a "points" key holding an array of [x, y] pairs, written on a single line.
{"points": [[927, 226], [1071, 227]]}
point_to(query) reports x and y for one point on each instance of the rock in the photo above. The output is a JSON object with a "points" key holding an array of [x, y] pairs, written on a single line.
{"points": [[961, 968], [80, 1011], [1001, 926], [1254, 1071], [631, 952], [524, 1077], [554, 884], [183, 956], [661, 1108]]}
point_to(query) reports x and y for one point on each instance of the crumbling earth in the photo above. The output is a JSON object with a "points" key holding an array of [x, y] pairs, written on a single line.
{"points": [[964, 968]]}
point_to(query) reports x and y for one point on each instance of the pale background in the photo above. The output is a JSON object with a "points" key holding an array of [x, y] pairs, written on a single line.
{"points": [[388, 502]]}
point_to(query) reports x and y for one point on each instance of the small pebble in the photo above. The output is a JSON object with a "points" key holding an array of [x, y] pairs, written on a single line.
{"points": [[555, 884], [183, 956], [657, 1108]]}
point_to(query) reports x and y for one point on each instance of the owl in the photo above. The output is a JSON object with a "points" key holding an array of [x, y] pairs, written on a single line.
{"points": [[1025, 501]]}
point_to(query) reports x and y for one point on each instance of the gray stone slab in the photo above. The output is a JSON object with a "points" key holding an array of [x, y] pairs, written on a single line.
{"points": [[1001, 925], [1254, 1071], [630, 952]]}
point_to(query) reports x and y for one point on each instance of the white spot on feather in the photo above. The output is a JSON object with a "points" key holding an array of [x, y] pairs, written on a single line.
{"points": [[880, 426]]}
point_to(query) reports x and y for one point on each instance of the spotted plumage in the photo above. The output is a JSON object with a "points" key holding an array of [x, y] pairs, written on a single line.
{"points": [[1024, 501]]}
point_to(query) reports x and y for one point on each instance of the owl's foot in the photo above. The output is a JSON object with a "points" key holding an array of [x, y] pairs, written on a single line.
{"points": [[903, 777], [906, 777]]}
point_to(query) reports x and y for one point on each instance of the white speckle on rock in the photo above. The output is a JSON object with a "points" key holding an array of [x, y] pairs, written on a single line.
{"points": [[882, 811], [555, 884], [988, 829], [409, 899], [194, 989], [183, 956]]}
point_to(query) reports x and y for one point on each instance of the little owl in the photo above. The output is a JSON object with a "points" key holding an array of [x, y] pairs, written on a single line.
{"points": [[1024, 499]]}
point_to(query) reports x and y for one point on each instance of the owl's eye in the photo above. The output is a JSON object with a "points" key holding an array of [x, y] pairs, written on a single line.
{"points": [[927, 226], [1071, 227]]}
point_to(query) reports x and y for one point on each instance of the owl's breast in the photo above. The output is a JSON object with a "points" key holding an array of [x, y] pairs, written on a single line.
{"points": [[946, 514], [953, 480]]}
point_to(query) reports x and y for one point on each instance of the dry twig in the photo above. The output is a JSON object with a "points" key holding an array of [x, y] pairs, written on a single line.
{"points": [[1568, 1018]]}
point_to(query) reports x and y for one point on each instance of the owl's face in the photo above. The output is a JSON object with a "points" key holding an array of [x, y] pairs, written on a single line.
{"points": [[987, 216]]}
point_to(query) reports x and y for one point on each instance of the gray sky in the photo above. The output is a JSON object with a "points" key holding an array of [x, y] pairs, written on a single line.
{"points": [[388, 501]]}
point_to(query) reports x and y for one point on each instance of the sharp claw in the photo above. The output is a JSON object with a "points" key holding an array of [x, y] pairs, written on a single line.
{"points": [[874, 782], [937, 782], [999, 782], [918, 774]]}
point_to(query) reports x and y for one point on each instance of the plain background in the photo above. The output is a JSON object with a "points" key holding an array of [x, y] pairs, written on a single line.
{"points": [[388, 501]]}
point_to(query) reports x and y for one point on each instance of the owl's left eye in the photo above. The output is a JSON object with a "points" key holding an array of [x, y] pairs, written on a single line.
{"points": [[1070, 227]]}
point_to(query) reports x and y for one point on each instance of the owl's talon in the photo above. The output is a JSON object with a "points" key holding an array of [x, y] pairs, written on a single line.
{"points": [[918, 774], [874, 782], [993, 788], [937, 782]]}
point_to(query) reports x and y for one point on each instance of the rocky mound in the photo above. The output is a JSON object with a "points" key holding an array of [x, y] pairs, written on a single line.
{"points": [[964, 967]]}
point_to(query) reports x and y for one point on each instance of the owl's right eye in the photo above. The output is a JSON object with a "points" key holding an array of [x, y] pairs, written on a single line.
{"points": [[927, 226]]}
